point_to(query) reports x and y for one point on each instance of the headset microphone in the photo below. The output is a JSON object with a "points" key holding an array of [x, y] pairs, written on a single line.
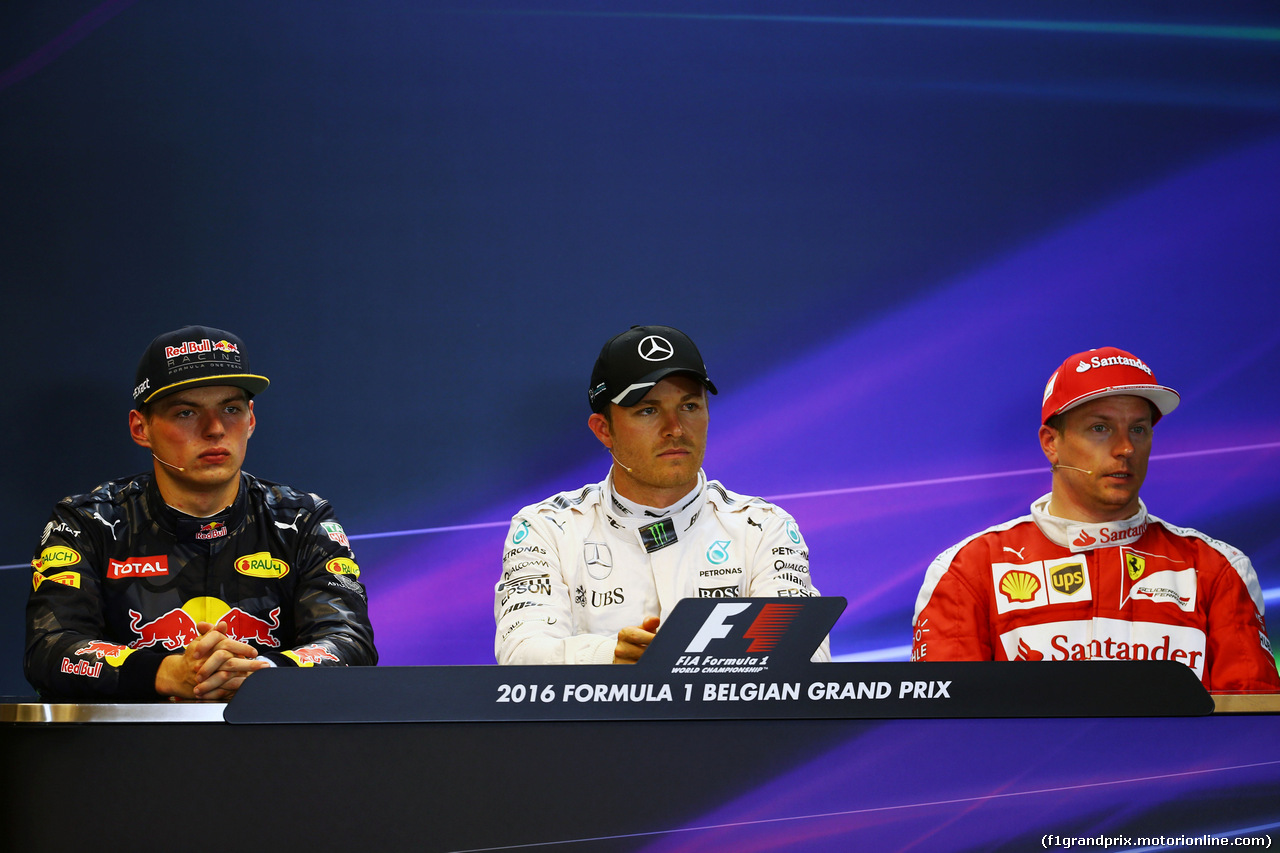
{"points": [[162, 462], [619, 461], [1058, 465]]}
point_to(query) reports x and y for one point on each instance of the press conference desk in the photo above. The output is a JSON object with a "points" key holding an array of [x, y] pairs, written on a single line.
{"points": [[231, 777]]}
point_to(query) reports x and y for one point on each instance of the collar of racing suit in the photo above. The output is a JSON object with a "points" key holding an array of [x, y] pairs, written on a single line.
{"points": [[188, 528], [630, 516], [1078, 536]]}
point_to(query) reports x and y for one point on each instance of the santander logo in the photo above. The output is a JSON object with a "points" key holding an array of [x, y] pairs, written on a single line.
{"points": [[1098, 361], [1084, 540]]}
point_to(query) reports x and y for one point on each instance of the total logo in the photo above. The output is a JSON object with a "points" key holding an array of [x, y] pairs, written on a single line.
{"points": [[176, 629], [138, 567]]}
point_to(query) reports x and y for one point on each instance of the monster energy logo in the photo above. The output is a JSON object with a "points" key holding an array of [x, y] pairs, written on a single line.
{"points": [[658, 535]]}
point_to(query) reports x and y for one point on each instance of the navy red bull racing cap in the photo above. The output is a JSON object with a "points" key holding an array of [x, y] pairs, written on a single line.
{"points": [[190, 357]]}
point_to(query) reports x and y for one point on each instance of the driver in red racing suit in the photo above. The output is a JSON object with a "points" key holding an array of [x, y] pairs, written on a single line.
{"points": [[1089, 574]]}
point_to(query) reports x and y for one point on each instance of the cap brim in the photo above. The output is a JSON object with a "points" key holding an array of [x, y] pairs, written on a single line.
{"points": [[250, 382], [635, 392], [1164, 399]]}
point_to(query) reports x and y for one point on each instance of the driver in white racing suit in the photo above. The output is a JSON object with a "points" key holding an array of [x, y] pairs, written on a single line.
{"points": [[589, 575]]}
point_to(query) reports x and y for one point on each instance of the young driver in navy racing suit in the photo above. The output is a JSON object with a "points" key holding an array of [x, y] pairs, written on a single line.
{"points": [[181, 582]]}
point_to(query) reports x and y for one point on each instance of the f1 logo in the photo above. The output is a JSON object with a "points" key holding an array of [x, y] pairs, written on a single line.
{"points": [[715, 628]]}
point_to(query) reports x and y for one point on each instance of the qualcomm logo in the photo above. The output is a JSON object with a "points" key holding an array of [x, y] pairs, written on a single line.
{"points": [[718, 552]]}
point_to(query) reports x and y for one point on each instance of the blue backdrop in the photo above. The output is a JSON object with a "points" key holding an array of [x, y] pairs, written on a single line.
{"points": [[883, 232]]}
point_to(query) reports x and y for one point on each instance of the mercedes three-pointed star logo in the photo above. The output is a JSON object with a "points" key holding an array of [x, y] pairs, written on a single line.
{"points": [[656, 348]]}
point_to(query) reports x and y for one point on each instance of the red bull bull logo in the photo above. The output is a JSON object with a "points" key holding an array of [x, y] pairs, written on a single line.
{"points": [[212, 530], [312, 655], [226, 346], [247, 628], [101, 648], [174, 630]]}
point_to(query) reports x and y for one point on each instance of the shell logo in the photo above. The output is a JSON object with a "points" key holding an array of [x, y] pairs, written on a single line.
{"points": [[343, 566], [1019, 585], [262, 565]]}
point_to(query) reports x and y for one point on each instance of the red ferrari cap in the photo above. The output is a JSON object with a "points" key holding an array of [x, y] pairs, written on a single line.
{"points": [[1104, 372]]}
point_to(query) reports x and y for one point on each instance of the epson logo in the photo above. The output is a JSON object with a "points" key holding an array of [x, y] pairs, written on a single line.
{"points": [[540, 585]]}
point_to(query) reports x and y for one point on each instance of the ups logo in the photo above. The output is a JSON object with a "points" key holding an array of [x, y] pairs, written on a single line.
{"points": [[1067, 578]]}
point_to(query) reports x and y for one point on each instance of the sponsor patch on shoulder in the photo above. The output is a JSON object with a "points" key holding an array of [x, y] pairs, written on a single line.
{"points": [[342, 566], [64, 578], [56, 557], [336, 533]]}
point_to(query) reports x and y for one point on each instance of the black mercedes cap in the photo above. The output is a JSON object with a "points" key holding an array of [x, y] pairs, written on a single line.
{"points": [[633, 362]]}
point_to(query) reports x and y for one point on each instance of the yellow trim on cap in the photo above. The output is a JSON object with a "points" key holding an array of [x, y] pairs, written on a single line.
{"points": [[211, 380]]}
